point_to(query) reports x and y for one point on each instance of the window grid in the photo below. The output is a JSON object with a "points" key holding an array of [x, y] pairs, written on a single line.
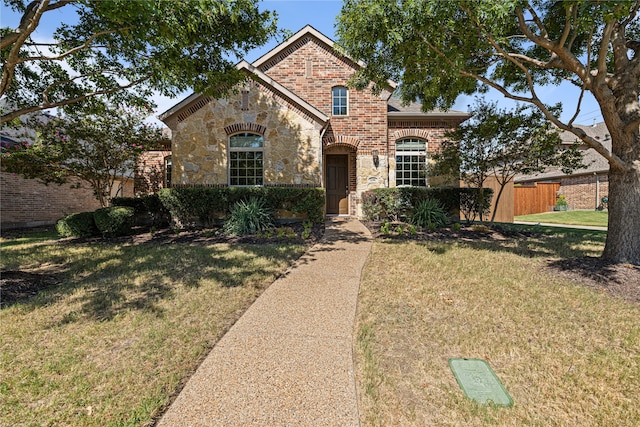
{"points": [[339, 101], [411, 163], [246, 160]]}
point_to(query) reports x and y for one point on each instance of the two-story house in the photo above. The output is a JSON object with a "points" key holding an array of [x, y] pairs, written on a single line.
{"points": [[294, 122]]}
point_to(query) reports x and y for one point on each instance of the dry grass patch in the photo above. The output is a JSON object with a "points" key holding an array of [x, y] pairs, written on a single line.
{"points": [[125, 326], [568, 355]]}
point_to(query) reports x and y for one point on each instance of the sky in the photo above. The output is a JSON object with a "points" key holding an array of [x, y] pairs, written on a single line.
{"points": [[321, 14]]}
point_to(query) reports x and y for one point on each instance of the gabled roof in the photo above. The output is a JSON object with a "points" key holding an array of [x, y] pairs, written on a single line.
{"points": [[396, 110], [594, 161], [266, 80], [308, 30]]}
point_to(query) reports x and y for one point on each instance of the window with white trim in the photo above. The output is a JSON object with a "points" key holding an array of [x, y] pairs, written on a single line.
{"points": [[246, 153], [339, 101], [411, 162]]}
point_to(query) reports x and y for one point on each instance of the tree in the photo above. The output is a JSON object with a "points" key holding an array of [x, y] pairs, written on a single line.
{"points": [[99, 149], [442, 49], [503, 143], [124, 50]]}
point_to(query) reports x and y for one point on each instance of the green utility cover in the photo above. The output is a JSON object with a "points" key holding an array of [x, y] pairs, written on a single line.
{"points": [[479, 382]]}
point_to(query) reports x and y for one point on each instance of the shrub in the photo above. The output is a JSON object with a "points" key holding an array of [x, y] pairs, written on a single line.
{"points": [[208, 206], [248, 217], [429, 213], [394, 204], [561, 204], [475, 203], [114, 220], [77, 225], [149, 209]]}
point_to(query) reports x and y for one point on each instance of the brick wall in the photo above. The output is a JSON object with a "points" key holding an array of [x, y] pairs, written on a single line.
{"points": [[151, 173], [580, 191], [29, 203], [311, 70]]}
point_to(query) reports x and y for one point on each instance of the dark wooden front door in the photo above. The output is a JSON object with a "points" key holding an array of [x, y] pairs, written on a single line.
{"points": [[337, 184]]}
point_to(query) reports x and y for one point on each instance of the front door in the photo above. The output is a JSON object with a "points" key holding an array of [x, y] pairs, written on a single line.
{"points": [[337, 184]]}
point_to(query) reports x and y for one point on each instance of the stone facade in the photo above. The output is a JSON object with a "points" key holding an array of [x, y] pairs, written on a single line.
{"points": [[292, 149], [287, 99]]}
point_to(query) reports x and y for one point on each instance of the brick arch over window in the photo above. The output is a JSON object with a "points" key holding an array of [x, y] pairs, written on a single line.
{"points": [[341, 140], [411, 133], [245, 127]]}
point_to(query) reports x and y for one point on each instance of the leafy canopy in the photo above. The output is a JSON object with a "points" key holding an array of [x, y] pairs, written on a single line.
{"points": [[504, 143], [100, 149], [125, 50]]}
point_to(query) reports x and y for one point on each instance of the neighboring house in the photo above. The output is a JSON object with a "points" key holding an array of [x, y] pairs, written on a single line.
{"points": [[153, 170], [584, 188], [30, 203], [294, 122]]}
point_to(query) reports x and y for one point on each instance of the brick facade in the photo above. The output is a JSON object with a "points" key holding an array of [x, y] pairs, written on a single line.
{"points": [[584, 191], [289, 101], [29, 203]]}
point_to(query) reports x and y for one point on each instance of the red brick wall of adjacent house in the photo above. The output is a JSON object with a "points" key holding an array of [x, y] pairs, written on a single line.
{"points": [[311, 70], [580, 191], [151, 171], [29, 203]]}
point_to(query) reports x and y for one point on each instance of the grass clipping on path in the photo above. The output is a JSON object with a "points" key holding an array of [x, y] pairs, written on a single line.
{"points": [[568, 355], [128, 324]]}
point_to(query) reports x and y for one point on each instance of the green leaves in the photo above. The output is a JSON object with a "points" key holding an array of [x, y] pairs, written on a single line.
{"points": [[126, 49], [96, 148]]}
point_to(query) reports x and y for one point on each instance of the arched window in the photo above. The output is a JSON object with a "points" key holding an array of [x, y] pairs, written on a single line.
{"points": [[411, 162], [339, 101], [246, 152]]}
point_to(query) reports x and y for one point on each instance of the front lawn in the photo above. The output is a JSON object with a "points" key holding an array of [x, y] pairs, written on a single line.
{"points": [[591, 218], [566, 349], [119, 325]]}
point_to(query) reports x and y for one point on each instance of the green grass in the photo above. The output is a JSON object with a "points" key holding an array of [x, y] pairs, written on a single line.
{"points": [[567, 354], [126, 326], [591, 218]]}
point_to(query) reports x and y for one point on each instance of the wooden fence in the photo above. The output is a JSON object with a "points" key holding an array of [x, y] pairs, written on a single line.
{"points": [[534, 198]]}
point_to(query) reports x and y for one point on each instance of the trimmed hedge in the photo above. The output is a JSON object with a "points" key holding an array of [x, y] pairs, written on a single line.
{"points": [[395, 204], [114, 220], [79, 224], [209, 206], [149, 210]]}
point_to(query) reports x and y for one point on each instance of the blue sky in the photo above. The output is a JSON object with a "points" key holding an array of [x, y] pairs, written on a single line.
{"points": [[321, 14]]}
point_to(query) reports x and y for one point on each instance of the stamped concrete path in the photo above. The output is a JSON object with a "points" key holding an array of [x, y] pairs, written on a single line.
{"points": [[288, 360]]}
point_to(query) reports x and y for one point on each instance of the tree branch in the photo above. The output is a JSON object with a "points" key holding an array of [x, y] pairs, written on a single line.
{"points": [[567, 25], [84, 45], [543, 31], [632, 14], [45, 106], [602, 53]]}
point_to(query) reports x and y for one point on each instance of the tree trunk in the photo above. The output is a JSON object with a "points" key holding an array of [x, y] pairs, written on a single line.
{"points": [[623, 237]]}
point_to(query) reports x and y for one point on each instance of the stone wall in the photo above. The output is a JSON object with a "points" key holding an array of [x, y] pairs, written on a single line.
{"points": [[292, 149]]}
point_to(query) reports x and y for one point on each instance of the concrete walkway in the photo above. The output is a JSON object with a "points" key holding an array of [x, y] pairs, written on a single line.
{"points": [[288, 360]]}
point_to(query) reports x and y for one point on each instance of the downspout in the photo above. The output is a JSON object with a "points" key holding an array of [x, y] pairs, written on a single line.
{"points": [[597, 189]]}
